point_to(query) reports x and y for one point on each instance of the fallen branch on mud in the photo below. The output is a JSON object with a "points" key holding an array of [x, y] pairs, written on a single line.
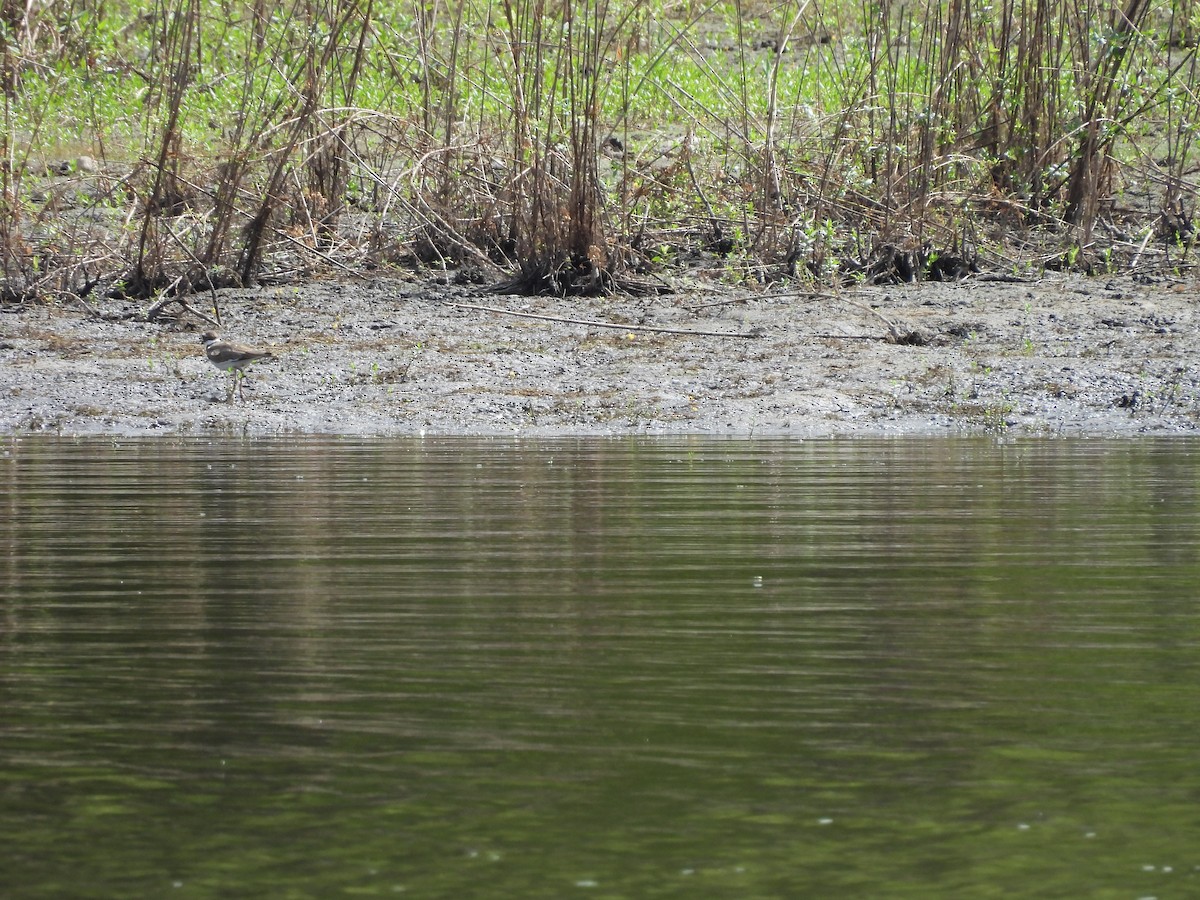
{"points": [[592, 323], [163, 302], [898, 332]]}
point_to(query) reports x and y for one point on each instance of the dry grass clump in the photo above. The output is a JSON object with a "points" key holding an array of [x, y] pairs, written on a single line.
{"points": [[580, 148]]}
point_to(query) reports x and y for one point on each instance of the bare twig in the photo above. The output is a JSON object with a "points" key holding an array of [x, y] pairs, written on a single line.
{"points": [[593, 323], [159, 305]]}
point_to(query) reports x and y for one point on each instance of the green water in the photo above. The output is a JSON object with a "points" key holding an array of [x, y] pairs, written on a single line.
{"points": [[599, 669]]}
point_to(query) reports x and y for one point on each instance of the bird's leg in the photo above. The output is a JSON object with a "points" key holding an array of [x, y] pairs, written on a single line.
{"points": [[239, 377]]}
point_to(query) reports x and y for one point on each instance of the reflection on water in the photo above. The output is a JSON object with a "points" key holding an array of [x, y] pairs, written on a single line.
{"points": [[628, 668]]}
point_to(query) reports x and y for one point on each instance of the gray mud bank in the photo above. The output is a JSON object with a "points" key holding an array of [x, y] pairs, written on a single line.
{"points": [[391, 357]]}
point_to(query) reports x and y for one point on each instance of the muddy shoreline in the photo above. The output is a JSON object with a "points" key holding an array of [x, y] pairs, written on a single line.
{"points": [[1057, 356]]}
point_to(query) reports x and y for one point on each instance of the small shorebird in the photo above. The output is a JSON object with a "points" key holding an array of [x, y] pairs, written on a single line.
{"points": [[226, 355]]}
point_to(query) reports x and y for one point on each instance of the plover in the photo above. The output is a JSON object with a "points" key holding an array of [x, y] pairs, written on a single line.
{"points": [[226, 355]]}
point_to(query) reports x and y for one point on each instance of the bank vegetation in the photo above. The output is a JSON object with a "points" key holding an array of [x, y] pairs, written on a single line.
{"points": [[588, 147]]}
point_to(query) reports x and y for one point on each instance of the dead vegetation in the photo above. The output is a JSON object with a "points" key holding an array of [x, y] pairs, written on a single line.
{"points": [[543, 146]]}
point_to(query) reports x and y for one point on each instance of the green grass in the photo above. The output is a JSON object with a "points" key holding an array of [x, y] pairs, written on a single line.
{"points": [[281, 139]]}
